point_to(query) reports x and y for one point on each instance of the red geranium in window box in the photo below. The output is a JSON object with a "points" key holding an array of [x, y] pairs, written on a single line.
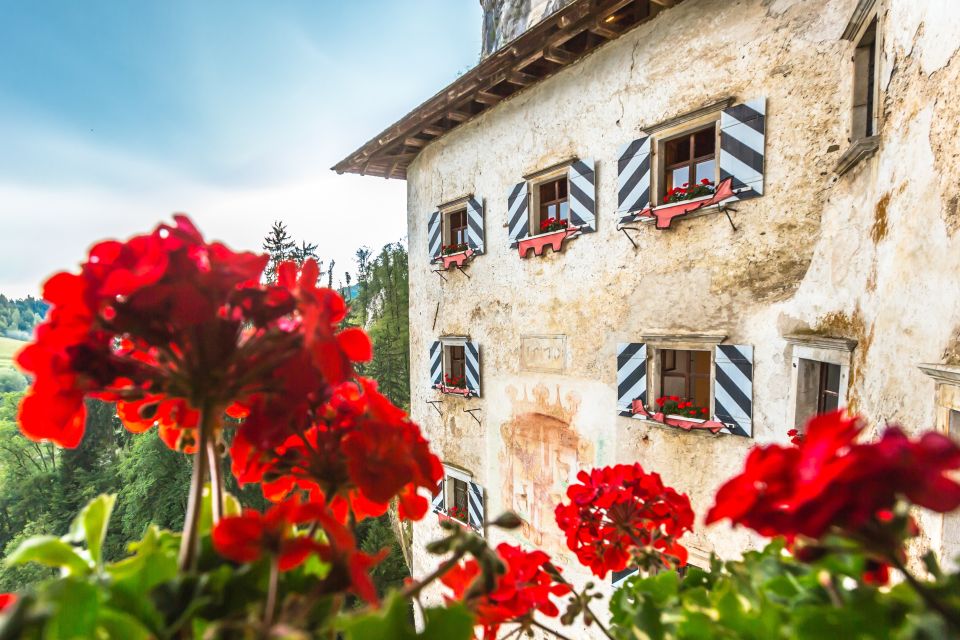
{"points": [[553, 224], [690, 192], [455, 254], [676, 412], [449, 249]]}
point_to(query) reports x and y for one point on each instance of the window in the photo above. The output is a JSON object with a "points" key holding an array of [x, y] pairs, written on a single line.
{"points": [[458, 498], [865, 65], [456, 231], [552, 201], [820, 372], [456, 369], [686, 374], [690, 158]]}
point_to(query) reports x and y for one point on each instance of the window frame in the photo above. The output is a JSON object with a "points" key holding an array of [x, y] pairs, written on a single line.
{"points": [[692, 160], [451, 472], [818, 349], [688, 376], [656, 344], [870, 65], [446, 342], [658, 150], [447, 227], [534, 183]]}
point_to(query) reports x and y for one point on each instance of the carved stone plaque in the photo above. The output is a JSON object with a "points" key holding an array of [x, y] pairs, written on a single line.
{"points": [[543, 353]]}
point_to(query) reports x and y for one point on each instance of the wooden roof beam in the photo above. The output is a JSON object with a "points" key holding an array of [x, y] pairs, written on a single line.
{"points": [[458, 116], [487, 98], [558, 55], [521, 79]]}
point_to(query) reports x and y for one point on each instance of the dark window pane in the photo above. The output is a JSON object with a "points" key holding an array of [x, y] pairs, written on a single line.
{"points": [[562, 188], [547, 191], [701, 362], [704, 142], [677, 150]]}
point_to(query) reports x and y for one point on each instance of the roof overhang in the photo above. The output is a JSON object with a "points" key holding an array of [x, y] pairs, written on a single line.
{"points": [[538, 53]]}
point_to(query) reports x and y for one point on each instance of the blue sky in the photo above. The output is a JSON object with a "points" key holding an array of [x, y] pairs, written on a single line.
{"points": [[115, 114]]}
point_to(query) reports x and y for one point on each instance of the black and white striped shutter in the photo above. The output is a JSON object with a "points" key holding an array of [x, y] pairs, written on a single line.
{"points": [[517, 204], [582, 182], [438, 499], [433, 236], [733, 388], [475, 225], [633, 178], [631, 376], [436, 363], [617, 578], [475, 502], [742, 141], [472, 352]]}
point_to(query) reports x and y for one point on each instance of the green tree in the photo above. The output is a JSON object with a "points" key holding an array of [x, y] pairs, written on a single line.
{"points": [[281, 246]]}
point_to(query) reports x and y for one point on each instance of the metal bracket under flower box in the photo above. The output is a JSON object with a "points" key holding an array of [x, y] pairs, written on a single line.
{"points": [[680, 422], [554, 239]]}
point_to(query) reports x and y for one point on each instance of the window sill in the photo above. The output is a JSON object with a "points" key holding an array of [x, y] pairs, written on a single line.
{"points": [[860, 150], [680, 422], [664, 214], [553, 239]]}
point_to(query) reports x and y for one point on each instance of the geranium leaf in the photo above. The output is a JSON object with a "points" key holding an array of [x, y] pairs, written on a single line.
{"points": [[393, 623], [52, 552], [90, 525]]}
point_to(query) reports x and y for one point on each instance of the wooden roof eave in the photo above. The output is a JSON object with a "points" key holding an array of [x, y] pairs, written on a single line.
{"points": [[540, 52]]}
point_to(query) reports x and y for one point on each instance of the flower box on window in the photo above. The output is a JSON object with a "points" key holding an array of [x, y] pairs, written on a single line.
{"points": [[554, 239], [455, 255], [456, 515], [685, 422], [665, 213], [455, 388]]}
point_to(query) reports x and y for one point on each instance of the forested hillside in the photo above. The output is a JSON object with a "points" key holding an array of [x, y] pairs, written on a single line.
{"points": [[19, 317], [43, 487]]}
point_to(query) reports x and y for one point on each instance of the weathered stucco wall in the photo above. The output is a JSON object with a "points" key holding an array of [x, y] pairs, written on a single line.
{"points": [[873, 255]]}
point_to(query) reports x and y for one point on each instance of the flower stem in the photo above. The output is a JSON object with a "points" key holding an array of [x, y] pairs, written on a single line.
{"points": [[414, 590], [549, 630], [926, 594], [191, 524], [216, 479], [270, 608]]}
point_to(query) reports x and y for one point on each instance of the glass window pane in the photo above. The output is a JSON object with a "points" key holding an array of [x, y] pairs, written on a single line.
{"points": [[552, 211], [679, 177], [546, 192], [704, 142], [673, 386], [564, 211], [701, 395], [701, 363], [705, 171], [562, 188]]}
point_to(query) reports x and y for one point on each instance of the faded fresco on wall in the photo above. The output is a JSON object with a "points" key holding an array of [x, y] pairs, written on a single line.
{"points": [[542, 453]]}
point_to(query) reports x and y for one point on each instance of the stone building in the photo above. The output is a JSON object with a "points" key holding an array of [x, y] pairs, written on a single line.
{"points": [[818, 266]]}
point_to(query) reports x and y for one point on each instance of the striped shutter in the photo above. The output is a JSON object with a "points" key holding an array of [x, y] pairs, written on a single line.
{"points": [[733, 388], [436, 363], [438, 499], [742, 137], [433, 236], [582, 182], [475, 505], [631, 376], [475, 225], [472, 352], [517, 214], [633, 178], [617, 578]]}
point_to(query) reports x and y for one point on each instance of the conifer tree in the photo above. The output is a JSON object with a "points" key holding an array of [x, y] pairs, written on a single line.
{"points": [[280, 246]]}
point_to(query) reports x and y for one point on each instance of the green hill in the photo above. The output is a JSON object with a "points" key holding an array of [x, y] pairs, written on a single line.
{"points": [[8, 347]]}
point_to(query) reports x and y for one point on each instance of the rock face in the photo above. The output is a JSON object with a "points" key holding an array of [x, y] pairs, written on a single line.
{"points": [[504, 20]]}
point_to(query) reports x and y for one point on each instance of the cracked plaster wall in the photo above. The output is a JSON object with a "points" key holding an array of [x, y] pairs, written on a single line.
{"points": [[873, 255]]}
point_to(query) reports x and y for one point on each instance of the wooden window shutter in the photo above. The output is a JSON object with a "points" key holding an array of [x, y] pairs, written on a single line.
{"points": [[733, 388], [631, 376], [518, 213], [438, 499], [742, 142], [436, 364], [434, 236], [475, 225], [633, 178], [471, 352], [475, 506], [582, 194]]}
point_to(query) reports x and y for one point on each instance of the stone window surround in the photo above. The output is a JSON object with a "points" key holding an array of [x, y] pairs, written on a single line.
{"points": [[680, 342], [947, 399], [838, 351], [682, 128], [862, 148]]}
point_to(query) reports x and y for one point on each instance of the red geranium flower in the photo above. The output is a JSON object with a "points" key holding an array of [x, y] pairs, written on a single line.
{"points": [[830, 481], [7, 600], [525, 588], [621, 513]]}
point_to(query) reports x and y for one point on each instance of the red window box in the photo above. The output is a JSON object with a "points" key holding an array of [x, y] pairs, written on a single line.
{"points": [[680, 422], [664, 214], [458, 258], [554, 239]]}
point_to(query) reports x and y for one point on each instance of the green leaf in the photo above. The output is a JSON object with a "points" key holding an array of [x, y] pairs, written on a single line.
{"points": [[393, 623], [76, 608], [231, 507], [118, 624], [90, 525], [52, 552]]}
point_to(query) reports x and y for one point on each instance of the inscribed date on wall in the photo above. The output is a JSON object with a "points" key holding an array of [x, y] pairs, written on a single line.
{"points": [[543, 353]]}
